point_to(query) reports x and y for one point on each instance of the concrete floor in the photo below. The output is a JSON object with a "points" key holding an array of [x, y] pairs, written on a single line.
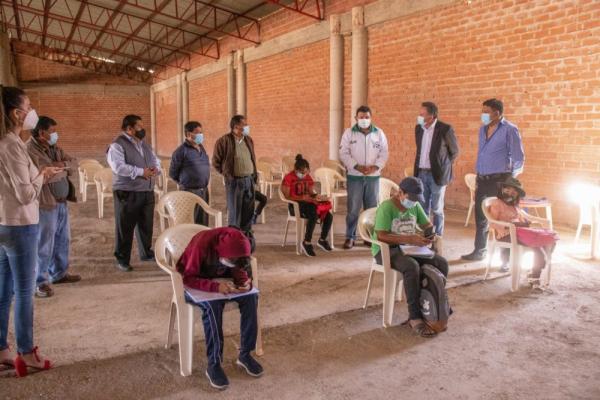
{"points": [[107, 333]]}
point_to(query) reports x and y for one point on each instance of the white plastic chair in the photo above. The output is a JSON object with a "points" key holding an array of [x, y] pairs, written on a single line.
{"points": [[471, 182], [585, 219], [103, 179], [162, 181], [267, 180], [276, 167], [178, 207], [287, 164], [169, 246], [300, 224], [328, 179], [386, 187], [516, 250], [391, 278], [87, 171], [408, 171], [339, 167]]}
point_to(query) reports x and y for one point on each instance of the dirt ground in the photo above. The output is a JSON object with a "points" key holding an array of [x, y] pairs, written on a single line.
{"points": [[107, 333]]}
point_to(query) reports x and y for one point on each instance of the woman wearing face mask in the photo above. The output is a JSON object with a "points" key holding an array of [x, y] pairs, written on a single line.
{"points": [[396, 223], [298, 186], [506, 208], [20, 186]]}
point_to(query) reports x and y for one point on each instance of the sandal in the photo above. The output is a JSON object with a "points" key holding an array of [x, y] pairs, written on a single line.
{"points": [[7, 363], [21, 366], [423, 330]]}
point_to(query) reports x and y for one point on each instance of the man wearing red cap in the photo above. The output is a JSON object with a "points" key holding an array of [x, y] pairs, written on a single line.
{"points": [[222, 253]]}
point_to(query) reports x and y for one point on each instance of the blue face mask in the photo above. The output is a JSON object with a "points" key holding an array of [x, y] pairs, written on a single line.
{"points": [[485, 118], [406, 203], [246, 131], [53, 138], [199, 138], [421, 121]]}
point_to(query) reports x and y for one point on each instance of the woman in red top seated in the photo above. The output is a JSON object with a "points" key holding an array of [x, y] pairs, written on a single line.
{"points": [[299, 186]]}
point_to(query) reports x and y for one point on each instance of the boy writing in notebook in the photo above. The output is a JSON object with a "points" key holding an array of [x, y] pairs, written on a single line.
{"points": [[223, 254], [396, 224]]}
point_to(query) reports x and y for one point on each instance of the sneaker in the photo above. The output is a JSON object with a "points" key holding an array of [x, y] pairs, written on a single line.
{"points": [[216, 376], [308, 250], [324, 244], [348, 244], [252, 367], [68, 278], [124, 267], [476, 255], [44, 290]]}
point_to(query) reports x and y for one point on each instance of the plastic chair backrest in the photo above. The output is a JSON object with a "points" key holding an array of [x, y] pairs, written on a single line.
{"points": [[471, 182], [89, 161], [90, 170], [179, 206], [104, 177], [287, 163], [336, 166], [265, 169], [171, 244], [366, 223], [327, 177], [386, 186], [408, 171]]}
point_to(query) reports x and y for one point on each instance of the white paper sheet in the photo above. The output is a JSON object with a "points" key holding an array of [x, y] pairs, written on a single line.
{"points": [[199, 296], [417, 251]]}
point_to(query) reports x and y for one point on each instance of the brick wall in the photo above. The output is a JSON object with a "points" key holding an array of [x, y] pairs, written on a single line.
{"points": [[88, 107], [167, 136], [540, 57]]}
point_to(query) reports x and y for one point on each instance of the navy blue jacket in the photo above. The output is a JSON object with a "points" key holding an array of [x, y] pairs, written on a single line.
{"points": [[190, 167]]}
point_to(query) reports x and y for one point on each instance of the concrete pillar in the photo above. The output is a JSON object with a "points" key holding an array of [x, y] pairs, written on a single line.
{"points": [[185, 100], [179, 108], [336, 86], [8, 75], [153, 118], [359, 60], [231, 82], [240, 87]]}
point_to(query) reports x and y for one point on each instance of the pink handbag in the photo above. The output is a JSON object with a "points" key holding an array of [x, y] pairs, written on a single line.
{"points": [[536, 237]]}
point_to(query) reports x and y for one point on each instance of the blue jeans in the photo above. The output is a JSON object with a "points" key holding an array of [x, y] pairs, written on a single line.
{"points": [[240, 202], [18, 259], [55, 236], [363, 193], [212, 319], [434, 200]]}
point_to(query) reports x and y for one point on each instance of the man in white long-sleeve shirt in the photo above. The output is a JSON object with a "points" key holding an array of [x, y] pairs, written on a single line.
{"points": [[364, 152], [134, 167]]}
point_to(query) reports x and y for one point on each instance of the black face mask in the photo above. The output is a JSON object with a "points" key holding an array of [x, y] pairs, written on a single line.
{"points": [[508, 199], [140, 134]]}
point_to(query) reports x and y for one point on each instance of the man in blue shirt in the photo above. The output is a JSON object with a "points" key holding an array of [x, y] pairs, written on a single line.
{"points": [[190, 167], [500, 155]]}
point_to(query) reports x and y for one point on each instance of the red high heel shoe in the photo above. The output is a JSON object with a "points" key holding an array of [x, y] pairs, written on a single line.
{"points": [[21, 366]]}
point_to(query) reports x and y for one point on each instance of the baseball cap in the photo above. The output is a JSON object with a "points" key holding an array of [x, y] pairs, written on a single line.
{"points": [[413, 187]]}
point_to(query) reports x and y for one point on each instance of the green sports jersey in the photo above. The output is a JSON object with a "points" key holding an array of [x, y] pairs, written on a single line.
{"points": [[389, 218]]}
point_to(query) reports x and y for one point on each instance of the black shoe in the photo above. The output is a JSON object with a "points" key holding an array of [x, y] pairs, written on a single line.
{"points": [[254, 219], [216, 376], [124, 267], [252, 367], [476, 255], [149, 257], [308, 250], [324, 244]]}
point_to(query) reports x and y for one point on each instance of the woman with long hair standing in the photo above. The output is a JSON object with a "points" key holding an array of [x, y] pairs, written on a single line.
{"points": [[20, 186]]}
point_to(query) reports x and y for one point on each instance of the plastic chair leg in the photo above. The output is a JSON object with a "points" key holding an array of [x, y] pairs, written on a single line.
{"points": [[84, 193], [471, 205], [172, 319], [259, 342], [389, 283], [369, 288], [578, 233], [186, 335], [299, 232], [515, 268], [491, 256], [287, 225], [401, 294]]}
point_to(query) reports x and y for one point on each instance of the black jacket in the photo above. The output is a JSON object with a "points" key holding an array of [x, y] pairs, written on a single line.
{"points": [[190, 168], [444, 150]]}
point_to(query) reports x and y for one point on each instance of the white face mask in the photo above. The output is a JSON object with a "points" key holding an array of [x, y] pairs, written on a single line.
{"points": [[421, 121], [226, 262], [364, 123], [300, 175], [31, 120]]}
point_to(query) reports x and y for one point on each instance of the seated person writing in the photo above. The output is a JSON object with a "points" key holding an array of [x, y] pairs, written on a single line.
{"points": [[298, 186], [396, 223], [506, 209], [222, 253]]}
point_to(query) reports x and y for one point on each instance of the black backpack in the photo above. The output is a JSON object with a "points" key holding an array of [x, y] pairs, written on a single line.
{"points": [[435, 307]]}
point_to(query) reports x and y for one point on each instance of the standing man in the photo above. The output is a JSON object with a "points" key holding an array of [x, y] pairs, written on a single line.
{"points": [[436, 151], [134, 167], [54, 234], [190, 167], [364, 152], [500, 156], [234, 158]]}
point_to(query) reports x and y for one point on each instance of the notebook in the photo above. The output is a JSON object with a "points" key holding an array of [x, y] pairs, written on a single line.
{"points": [[417, 251]]}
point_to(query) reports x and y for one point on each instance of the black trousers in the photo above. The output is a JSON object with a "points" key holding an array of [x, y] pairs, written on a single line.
{"points": [[487, 186], [134, 211], [261, 199], [410, 267], [309, 211], [200, 217]]}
